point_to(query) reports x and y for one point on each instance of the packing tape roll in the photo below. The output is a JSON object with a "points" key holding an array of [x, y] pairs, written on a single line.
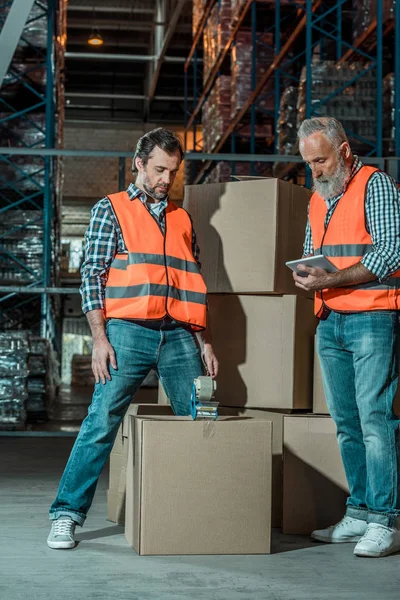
{"points": [[206, 390]]}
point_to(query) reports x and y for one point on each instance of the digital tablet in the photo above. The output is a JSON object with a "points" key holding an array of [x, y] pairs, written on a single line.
{"points": [[318, 261]]}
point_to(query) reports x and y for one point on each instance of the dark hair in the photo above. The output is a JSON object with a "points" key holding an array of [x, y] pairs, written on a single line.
{"points": [[163, 138]]}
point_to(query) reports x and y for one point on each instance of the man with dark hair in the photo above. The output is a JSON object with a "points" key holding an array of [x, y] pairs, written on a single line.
{"points": [[145, 300]]}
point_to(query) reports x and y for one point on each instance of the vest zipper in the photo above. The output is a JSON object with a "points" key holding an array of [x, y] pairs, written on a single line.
{"points": [[165, 265]]}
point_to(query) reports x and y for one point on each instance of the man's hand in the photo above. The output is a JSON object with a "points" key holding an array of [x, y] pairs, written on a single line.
{"points": [[211, 361], [103, 353], [316, 280]]}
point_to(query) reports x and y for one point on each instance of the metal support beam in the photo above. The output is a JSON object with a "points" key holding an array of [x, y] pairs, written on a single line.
{"points": [[111, 9], [11, 33], [121, 57], [161, 50], [112, 96]]}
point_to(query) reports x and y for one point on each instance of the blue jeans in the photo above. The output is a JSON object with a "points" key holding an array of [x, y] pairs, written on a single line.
{"points": [[176, 357], [359, 361]]}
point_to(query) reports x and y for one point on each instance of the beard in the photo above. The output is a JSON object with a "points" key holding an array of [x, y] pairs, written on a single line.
{"points": [[330, 186], [154, 192]]}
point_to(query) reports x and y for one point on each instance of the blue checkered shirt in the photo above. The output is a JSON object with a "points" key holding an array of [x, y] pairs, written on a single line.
{"points": [[103, 240], [382, 211]]}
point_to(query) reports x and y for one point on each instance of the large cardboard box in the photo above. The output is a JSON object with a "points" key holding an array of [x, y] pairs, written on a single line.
{"points": [[265, 347], [276, 417], [199, 487], [246, 231], [119, 457], [314, 482]]}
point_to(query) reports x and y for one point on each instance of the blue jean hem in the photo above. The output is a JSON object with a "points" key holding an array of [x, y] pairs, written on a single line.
{"points": [[357, 513], [78, 518]]}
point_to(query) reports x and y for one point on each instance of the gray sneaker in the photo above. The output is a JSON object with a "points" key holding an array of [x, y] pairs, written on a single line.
{"points": [[62, 534]]}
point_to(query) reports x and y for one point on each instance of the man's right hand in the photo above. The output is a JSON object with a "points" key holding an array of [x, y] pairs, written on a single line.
{"points": [[103, 354]]}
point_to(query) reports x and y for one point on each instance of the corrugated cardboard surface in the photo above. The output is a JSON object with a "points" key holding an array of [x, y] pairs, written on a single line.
{"points": [[199, 487], [314, 483], [265, 350], [119, 457], [162, 396], [277, 447], [116, 506], [247, 230]]}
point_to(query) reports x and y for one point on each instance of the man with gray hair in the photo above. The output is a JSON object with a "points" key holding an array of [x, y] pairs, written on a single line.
{"points": [[354, 220]]}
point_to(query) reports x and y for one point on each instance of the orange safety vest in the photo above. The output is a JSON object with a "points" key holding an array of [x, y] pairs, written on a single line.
{"points": [[344, 242], [159, 275]]}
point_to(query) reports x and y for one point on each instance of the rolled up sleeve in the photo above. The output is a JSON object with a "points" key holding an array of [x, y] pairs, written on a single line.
{"points": [[100, 249], [382, 211]]}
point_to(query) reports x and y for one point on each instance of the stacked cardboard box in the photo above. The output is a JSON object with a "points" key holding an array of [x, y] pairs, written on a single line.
{"points": [[262, 330], [119, 457], [198, 487]]}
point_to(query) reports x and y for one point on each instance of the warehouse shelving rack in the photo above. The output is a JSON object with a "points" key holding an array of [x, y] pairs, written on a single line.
{"points": [[314, 23], [32, 188]]}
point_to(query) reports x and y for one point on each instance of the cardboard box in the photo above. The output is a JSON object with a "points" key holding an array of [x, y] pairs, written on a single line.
{"points": [[119, 457], [162, 396], [265, 347], [276, 417], [246, 231], [198, 487], [116, 506], [314, 483]]}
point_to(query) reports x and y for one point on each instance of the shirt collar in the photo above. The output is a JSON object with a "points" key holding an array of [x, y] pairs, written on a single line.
{"points": [[134, 192]]}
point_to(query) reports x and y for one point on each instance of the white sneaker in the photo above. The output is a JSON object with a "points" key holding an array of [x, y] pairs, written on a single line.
{"points": [[378, 541], [347, 530], [62, 534]]}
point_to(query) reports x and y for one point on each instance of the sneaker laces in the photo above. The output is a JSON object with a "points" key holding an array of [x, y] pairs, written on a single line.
{"points": [[64, 527], [375, 533], [344, 522]]}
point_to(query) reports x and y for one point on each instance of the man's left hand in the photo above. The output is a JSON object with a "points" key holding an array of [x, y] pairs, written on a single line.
{"points": [[316, 280], [210, 360]]}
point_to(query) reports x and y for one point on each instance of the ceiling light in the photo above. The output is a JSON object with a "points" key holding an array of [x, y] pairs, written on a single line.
{"points": [[95, 38]]}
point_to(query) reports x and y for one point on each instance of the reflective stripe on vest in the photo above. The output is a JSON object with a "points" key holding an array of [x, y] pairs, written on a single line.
{"points": [[345, 241], [159, 275], [139, 258]]}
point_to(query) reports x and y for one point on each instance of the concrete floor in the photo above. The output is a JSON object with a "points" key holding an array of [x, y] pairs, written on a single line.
{"points": [[103, 566]]}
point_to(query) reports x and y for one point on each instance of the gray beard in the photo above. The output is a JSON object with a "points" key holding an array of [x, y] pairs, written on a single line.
{"points": [[330, 187]]}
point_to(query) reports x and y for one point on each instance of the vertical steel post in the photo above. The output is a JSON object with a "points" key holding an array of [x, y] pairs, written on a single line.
{"points": [[339, 30], [379, 77], [309, 23], [253, 80], [397, 86], [48, 166], [277, 72]]}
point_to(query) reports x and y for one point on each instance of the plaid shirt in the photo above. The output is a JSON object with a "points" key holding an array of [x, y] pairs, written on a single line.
{"points": [[382, 211], [103, 240]]}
